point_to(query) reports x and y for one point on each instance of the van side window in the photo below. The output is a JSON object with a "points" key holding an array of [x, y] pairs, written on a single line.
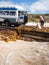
{"points": [[12, 13], [6, 12], [1, 12]]}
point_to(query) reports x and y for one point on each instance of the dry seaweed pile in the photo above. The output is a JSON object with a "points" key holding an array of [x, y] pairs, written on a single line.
{"points": [[8, 35], [12, 35], [43, 29]]}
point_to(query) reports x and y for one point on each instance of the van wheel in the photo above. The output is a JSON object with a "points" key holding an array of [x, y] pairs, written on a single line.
{"points": [[0, 23], [6, 22]]}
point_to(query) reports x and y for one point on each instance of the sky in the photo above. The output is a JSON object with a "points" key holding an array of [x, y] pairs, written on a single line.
{"points": [[33, 6]]}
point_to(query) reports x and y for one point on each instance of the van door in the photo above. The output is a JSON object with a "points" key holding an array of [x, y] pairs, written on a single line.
{"points": [[21, 16]]}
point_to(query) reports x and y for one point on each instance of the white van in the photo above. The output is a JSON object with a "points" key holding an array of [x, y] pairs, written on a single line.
{"points": [[12, 16]]}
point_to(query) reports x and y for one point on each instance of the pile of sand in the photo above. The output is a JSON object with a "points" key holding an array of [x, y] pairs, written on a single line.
{"points": [[24, 53]]}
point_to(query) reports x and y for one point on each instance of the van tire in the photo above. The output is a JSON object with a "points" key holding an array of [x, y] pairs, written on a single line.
{"points": [[6, 21]]}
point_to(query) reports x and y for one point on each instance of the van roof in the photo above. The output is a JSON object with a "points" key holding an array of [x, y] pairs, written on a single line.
{"points": [[8, 8]]}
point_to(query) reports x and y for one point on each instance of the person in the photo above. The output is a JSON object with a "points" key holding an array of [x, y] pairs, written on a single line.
{"points": [[41, 20], [25, 19]]}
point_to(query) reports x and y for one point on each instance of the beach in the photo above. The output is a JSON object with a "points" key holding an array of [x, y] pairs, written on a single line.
{"points": [[24, 53]]}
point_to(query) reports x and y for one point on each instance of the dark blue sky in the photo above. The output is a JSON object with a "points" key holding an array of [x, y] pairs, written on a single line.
{"points": [[24, 1], [21, 1]]}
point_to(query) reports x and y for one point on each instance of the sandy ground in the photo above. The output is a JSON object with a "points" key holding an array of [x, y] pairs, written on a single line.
{"points": [[35, 24], [24, 53]]}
